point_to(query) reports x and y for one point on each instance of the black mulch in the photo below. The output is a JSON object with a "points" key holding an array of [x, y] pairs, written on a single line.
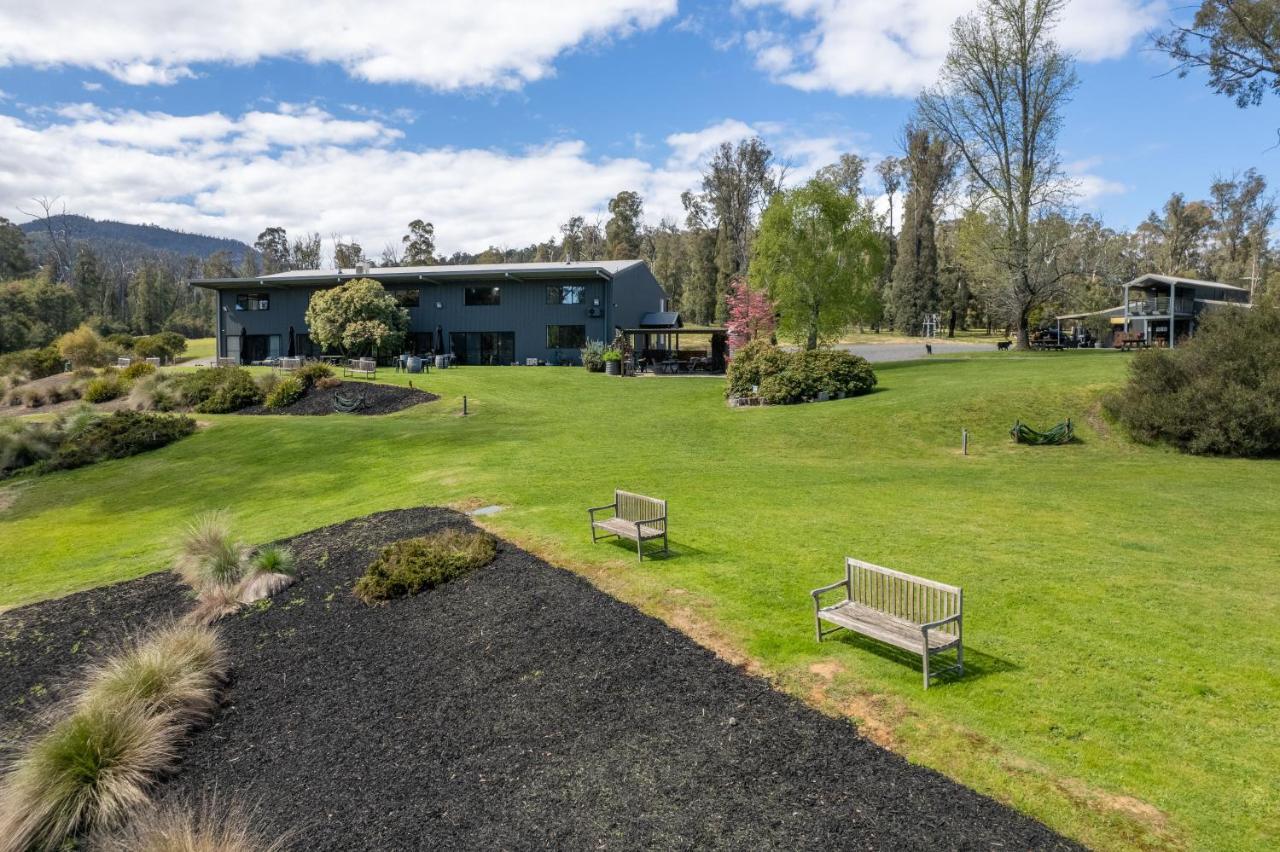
{"points": [[378, 399], [516, 708]]}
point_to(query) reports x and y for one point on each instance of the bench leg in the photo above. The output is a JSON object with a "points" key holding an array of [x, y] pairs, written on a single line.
{"points": [[639, 549], [926, 666], [666, 548]]}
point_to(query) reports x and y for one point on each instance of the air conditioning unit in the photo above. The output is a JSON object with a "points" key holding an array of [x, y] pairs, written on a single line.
{"points": [[595, 312]]}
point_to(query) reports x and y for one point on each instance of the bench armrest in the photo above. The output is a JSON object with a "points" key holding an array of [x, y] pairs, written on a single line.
{"points": [[817, 593], [925, 628], [592, 511]]}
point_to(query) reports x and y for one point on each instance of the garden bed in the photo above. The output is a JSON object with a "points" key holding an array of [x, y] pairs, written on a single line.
{"points": [[379, 399], [516, 707]]}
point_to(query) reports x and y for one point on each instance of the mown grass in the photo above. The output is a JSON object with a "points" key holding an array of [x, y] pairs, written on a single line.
{"points": [[197, 348], [1121, 604]]}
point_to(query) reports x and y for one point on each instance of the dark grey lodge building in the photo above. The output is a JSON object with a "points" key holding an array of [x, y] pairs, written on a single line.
{"points": [[484, 313]]}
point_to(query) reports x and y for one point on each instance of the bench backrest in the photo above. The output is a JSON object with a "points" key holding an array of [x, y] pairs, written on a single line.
{"points": [[637, 507], [904, 596], [362, 364]]}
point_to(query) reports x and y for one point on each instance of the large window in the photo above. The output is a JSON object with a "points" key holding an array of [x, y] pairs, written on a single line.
{"points": [[253, 302], [565, 294], [487, 348], [483, 296], [407, 298], [566, 336]]}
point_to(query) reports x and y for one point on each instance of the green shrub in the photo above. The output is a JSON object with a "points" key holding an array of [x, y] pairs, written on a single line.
{"points": [[24, 443], [33, 398], [310, 374], [286, 392], [410, 566], [782, 378], [84, 348], [104, 388], [124, 433], [593, 356], [33, 363], [166, 345], [611, 355], [1216, 394], [137, 370], [218, 390], [121, 340], [156, 392]]}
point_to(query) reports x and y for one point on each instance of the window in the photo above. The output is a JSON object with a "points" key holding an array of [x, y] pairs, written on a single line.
{"points": [[482, 296], [253, 302], [565, 294], [566, 336], [407, 298], [483, 348]]}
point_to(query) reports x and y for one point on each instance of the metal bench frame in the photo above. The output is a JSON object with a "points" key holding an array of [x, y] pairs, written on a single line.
{"points": [[365, 367], [635, 517], [892, 607]]}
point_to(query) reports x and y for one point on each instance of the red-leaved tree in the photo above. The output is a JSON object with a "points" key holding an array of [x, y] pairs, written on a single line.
{"points": [[751, 314]]}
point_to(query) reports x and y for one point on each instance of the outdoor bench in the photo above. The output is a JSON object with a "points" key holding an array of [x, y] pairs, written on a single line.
{"points": [[289, 365], [366, 367], [917, 615], [635, 517]]}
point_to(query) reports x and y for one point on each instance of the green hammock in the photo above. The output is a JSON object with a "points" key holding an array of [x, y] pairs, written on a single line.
{"points": [[347, 404], [1060, 434]]}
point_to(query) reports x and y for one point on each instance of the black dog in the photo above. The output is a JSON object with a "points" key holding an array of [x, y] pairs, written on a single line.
{"points": [[1003, 345], [928, 349]]}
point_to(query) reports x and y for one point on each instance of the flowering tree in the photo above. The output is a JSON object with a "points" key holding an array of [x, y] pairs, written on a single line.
{"points": [[751, 314], [357, 317]]}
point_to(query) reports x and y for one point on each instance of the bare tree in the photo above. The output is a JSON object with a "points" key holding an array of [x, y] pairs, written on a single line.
{"points": [[999, 102], [57, 228]]}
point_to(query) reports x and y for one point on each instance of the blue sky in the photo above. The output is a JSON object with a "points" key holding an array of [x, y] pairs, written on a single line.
{"points": [[499, 120]]}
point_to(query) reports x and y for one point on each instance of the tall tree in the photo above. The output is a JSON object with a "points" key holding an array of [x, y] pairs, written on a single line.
{"points": [[306, 251], [14, 260], [346, 253], [999, 102], [622, 232], [218, 265], [571, 239], [817, 253], [273, 245], [1178, 239], [1236, 41], [1243, 214], [419, 244], [249, 265], [915, 289], [93, 290]]}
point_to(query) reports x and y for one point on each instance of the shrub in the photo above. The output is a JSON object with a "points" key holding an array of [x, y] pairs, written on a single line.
{"points": [[137, 370], [328, 383], [83, 347], [166, 345], [23, 443], [124, 433], [88, 771], [311, 374], [179, 827], [156, 392], [286, 392], [220, 390], [611, 355], [208, 556], [782, 378], [1217, 394], [121, 340], [593, 356], [33, 398], [104, 388], [57, 393], [410, 566], [33, 363]]}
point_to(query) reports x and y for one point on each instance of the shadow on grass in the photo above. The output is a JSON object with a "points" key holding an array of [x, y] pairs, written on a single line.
{"points": [[653, 549], [977, 664]]}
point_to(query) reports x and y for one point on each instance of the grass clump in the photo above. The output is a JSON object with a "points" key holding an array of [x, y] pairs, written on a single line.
{"points": [[137, 370], [177, 669], [312, 374], [219, 390], [105, 388], [180, 827], [208, 556], [286, 392], [410, 566], [271, 570]]}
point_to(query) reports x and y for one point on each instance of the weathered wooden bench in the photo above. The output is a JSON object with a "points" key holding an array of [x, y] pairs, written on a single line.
{"points": [[636, 517], [227, 362], [911, 613], [1129, 339], [289, 365], [365, 367]]}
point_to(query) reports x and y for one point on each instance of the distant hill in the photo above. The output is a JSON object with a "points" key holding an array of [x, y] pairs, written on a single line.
{"points": [[108, 237]]}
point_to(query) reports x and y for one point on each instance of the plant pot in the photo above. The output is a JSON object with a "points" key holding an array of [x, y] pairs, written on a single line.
{"points": [[613, 368]]}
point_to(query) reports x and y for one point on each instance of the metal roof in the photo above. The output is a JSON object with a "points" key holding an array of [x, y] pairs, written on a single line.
{"points": [[1118, 310], [562, 269], [661, 319], [1195, 282]]}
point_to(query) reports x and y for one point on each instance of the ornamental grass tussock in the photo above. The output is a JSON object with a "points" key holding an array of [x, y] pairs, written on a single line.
{"points": [[96, 764], [416, 564], [181, 827], [223, 572]]}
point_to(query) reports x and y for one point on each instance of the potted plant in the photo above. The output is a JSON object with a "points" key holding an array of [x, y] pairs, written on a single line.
{"points": [[612, 362]]}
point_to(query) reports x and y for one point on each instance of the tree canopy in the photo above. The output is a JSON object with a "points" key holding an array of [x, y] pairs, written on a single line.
{"points": [[357, 317]]}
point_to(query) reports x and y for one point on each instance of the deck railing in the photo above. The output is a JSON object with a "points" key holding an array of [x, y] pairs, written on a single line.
{"points": [[1159, 307]]}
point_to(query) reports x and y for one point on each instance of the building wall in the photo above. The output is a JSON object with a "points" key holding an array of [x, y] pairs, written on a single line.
{"points": [[523, 311]]}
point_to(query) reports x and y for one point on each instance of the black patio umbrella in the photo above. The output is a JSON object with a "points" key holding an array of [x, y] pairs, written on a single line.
{"points": [[292, 353], [439, 340], [244, 345]]}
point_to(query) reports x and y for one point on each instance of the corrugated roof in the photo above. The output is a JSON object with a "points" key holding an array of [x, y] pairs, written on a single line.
{"points": [[462, 270], [660, 319], [1173, 279]]}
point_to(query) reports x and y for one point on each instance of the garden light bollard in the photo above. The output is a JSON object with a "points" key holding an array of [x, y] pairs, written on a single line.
{"points": [[964, 441], [464, 406]]}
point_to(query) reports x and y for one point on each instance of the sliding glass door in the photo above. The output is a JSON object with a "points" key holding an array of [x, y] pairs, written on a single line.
{"points": [[486, 348]]}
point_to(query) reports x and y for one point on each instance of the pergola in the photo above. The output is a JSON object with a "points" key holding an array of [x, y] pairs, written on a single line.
{"points": [[657, 345]]}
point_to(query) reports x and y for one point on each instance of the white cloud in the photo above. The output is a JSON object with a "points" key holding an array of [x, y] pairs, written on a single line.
{"points": [[303, 168], [498, 43], [896, 48], [90, 86], [1089, 187]]}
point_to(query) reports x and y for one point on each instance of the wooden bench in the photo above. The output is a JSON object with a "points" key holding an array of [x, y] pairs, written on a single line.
{"points": [[227, 362], [365, 367], [1129, 339], [289, 365], [635, 516], [911, 613]]}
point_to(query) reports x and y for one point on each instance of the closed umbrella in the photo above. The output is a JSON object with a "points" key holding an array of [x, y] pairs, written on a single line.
{"points": [[292, 352], [439, 340], [244, 345]]}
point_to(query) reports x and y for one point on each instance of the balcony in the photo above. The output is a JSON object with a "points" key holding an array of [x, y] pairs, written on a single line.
{"points": [[1159, 307]]}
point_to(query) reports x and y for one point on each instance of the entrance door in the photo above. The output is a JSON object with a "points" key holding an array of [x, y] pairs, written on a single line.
{"points": [[233, 347], [483, 347]]}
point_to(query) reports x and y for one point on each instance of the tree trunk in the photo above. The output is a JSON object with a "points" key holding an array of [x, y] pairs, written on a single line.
{"points": [[812, 342], [1024, 338]]}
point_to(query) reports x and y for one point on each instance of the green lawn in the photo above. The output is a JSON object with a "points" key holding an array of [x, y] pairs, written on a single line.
{"points": [[1121, 601], [197, 347]]}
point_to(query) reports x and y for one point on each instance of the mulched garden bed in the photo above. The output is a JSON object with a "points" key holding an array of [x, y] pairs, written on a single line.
{"points": [[516, 708], [379, 399]]}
